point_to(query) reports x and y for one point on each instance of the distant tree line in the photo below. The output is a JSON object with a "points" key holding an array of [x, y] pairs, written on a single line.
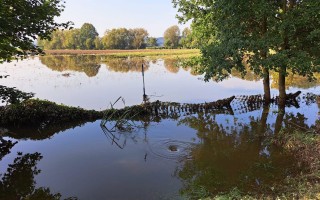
{"points": [[87, 37]]}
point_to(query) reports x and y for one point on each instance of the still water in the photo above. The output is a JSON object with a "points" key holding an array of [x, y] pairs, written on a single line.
{"points": [[91, 83], [189, 157]]}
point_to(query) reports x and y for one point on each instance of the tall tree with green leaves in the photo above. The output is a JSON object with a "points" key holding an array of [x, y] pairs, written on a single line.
{"points": [[172, 37], [88, 34], [22, 21], [119, 38], [139, 37], [268, 35], [72, 39], [56, 41], [97, 43], [187, 39]]}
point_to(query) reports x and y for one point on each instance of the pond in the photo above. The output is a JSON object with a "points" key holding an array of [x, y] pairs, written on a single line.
{"points": [[185, 157]]}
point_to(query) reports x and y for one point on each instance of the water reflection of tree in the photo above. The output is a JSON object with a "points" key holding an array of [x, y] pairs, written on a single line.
{"points": [[127, 64], [134, 64], [237, 156], [294, 80], [249, 76], [5, 147], [89, 64], [18, 182], [171, 64], [41, 132]]}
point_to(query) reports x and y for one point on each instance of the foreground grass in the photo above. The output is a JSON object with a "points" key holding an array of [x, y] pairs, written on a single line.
{"points": [[129, 53]]}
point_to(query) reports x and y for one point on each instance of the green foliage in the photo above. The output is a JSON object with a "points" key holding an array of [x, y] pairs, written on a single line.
{"points": [[33, 112], [123, 38], [22, 21], [5, 147], [235, 193], [88, 34], [117, 39], [84, 38], [97, 43], [172, 37], [152, 42], [276, 35], [72, 39], [139, 38], [56, 41], [188, 40]]}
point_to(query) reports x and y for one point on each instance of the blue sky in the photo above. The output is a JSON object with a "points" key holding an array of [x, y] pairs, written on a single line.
{"points": [[154, 15]]}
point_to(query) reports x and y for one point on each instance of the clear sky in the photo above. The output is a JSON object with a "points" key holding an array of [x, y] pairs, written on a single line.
{"points": [[154, 15]]}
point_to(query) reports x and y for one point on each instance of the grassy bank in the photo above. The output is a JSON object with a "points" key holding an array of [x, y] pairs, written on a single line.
{"points": [[35, 112], [129, 53]]}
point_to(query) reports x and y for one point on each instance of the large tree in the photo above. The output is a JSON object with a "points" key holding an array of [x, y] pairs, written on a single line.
{"points": [[172, 37], [139, 37], [72, 39], [187, 39], [88, 34], [57, 40], [119, 38], [22, 21], [267, 35]]}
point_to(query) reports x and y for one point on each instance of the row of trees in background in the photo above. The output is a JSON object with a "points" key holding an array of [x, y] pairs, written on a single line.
{"points": [[87, 37]]}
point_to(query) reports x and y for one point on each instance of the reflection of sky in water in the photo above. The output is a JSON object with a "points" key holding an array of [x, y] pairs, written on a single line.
{"points": [[97, 92]]}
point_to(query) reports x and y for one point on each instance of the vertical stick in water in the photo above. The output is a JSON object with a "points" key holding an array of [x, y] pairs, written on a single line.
{"points": [[144, 89]]}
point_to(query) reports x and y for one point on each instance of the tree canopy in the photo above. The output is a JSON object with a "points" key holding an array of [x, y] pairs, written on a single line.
{"points": [[139, 38], [83, 38], [22, 21], [172, 37], [188, 40], [267, 35], [88, 34]]}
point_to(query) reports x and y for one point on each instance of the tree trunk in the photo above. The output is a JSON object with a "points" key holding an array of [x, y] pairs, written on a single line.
{"points": [[282, 86], [265, 71], [283, 69], [266, 86]]}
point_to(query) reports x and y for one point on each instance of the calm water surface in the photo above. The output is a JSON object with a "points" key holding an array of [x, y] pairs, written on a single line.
{"points": [[187, 157], [91, 83]]}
